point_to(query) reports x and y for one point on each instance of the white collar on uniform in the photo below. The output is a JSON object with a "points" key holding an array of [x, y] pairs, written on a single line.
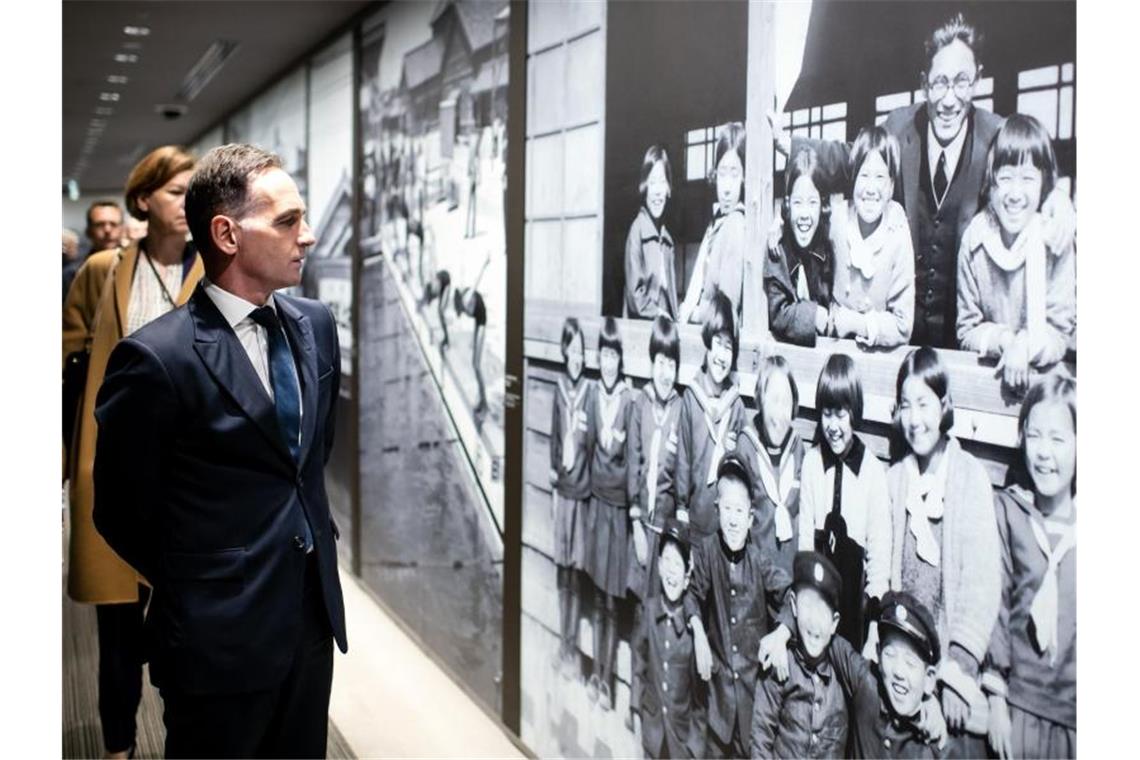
{"points": [[953, 150], [233, 308]]}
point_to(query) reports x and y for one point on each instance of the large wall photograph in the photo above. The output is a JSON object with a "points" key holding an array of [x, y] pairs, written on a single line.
{"points": [[816, 295]]}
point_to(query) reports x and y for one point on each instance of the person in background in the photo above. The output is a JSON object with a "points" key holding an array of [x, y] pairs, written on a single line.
{"points": [[115, 293], [104, 225], [71, 260], [650, 283]]}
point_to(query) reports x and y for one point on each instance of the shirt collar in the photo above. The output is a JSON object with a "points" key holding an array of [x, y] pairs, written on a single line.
{"points": [[737, 555], [953, 150], [900, 725], [651, 230], [234, 308], [674, 613], [853, 460], [822, 667]]}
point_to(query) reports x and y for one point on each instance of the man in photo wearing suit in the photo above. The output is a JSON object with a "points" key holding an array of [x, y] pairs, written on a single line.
{"points": [[943, 142], [215, 423]]}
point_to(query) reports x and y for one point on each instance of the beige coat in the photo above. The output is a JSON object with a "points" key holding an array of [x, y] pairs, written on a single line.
{"points": [[95, 314]]}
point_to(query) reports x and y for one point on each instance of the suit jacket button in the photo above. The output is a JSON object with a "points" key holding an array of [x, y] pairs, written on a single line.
{"points": [[298, 543]]}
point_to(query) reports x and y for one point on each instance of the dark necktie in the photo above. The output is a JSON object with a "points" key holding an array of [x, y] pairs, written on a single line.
{"points": [[940, 181], [286, 391]]}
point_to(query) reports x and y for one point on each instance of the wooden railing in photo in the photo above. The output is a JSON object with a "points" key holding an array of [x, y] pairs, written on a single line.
{"points": [[985, 422]]}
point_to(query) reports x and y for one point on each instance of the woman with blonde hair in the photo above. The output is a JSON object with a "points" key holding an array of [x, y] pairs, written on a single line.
{"points": [[114, 293]]}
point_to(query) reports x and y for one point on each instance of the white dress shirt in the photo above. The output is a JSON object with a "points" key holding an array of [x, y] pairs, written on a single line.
{"points": [[953, 152]]}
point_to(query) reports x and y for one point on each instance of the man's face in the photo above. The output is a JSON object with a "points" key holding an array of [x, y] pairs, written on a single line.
{"points": [[952, 69], [104, 227], [274, 236], [906, 676]]}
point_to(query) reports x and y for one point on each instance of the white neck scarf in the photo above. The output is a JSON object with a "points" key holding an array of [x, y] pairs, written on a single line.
{"points": [[1028, 251], [861, 251], [1044, 608], [924, 502], [572, 400], [609, 404], [778, 485], [660, 418], [717, 418]]}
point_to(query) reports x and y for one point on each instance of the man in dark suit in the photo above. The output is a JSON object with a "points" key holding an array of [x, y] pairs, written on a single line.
{"points": [[215, 423], [944, 143]]}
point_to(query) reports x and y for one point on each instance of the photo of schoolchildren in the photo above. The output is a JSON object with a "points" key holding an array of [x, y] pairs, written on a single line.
{"points": [[720, 260], [712, 415], [873, 293], [1031, 668], [651, 464], [607, 525], [799, 270], [650, 256], [734, 598], [894, 711], [570, 436], [1017, 296], [673, 698], [945, 549], [775, 451], [806, 714], [844, 504]]}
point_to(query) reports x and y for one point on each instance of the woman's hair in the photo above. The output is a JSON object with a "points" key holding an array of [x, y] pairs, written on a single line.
{"points": [[664, 339], [1021, 138], [682, 547], [925, 364], [156, 169], [720, 320], [772, 367], [730, 136], [805, 163], [874, 140], [570, 330], [839, 388], [656, 154], [1058, 387]]}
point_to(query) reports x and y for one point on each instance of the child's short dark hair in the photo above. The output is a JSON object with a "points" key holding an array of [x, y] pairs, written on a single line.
{"points": [[656, 154], [730, 136], [839, 388], [664, 339], [720, 320], [733, 466], [925, 364], [1021, 138], [570, 330], [776, 366], [1057, 386], [610, 337], [875, 140], [805, 163], [682, 546]]}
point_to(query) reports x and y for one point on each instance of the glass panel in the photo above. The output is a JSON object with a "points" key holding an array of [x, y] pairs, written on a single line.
{"points": [[835, 130], [544, 176], [583, 158], [584, 86], [1065, 128], [1067, 72], [800, 117], [920, 96], [984, 103], [1042, 77], [547, 90], [984, 87], [815, 114], [835, 111], [886, 103], [880, 118], [695, 162], [1042, 105]]}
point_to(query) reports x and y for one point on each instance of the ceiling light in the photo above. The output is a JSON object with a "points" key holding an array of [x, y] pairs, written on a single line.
{"points": [[116, 79], [206, 68], [136, 31], [109, 97], [104, 111], [126, 58]]}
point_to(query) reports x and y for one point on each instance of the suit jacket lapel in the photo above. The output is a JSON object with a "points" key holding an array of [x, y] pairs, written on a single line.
{"points": [[226, 360], [124, 274], [300, 332], [911, 163]]}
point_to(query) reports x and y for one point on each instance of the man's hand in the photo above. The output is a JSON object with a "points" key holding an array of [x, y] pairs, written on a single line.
{"points": [[1000, 731], [955, 709], [701, 652], [780, 138], [774, 652], [932, 723]]}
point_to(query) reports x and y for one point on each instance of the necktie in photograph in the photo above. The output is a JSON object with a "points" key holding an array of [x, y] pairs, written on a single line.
{"points": [[940, 180]]}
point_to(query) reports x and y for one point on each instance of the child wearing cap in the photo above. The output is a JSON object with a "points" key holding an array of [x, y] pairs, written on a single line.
{"points": [[805, 715], [673, 699], [736, 594], [1031, 667], [775, 451], [894, 711], [712, 415]]}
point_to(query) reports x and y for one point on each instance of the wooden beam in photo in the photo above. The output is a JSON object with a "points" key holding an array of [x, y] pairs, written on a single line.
{"points": [[761, 94]]}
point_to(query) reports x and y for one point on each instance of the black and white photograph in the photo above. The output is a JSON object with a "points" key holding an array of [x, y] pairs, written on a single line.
{"points": [[432, 142], [800, 361]]}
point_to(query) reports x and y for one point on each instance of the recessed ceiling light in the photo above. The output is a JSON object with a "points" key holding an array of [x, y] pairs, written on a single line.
{"points": [[126, 58], [104, 111], [136, 31], [116, 79], [108, 97]]}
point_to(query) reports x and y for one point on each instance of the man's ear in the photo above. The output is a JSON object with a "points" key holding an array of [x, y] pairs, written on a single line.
{"points": [[834, 622], [929, 680], [224, 233]]}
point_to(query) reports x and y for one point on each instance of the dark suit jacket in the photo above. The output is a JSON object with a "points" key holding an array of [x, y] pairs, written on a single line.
{"points": [[196, 488]]}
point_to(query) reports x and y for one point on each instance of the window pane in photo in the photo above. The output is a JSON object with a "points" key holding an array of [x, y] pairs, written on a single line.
{"points": [[984, 103], [886, 103], [920, 96], [1042, 105], [815, 113], [984, 87], [800, 116], [544, 190], [695, 162], [1042, 77], [1067, 72], [583, 157], [835, 130], [880, 118], [786, 119], [586, 77], [835, 111], [1065, 128], [694, 136]]}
